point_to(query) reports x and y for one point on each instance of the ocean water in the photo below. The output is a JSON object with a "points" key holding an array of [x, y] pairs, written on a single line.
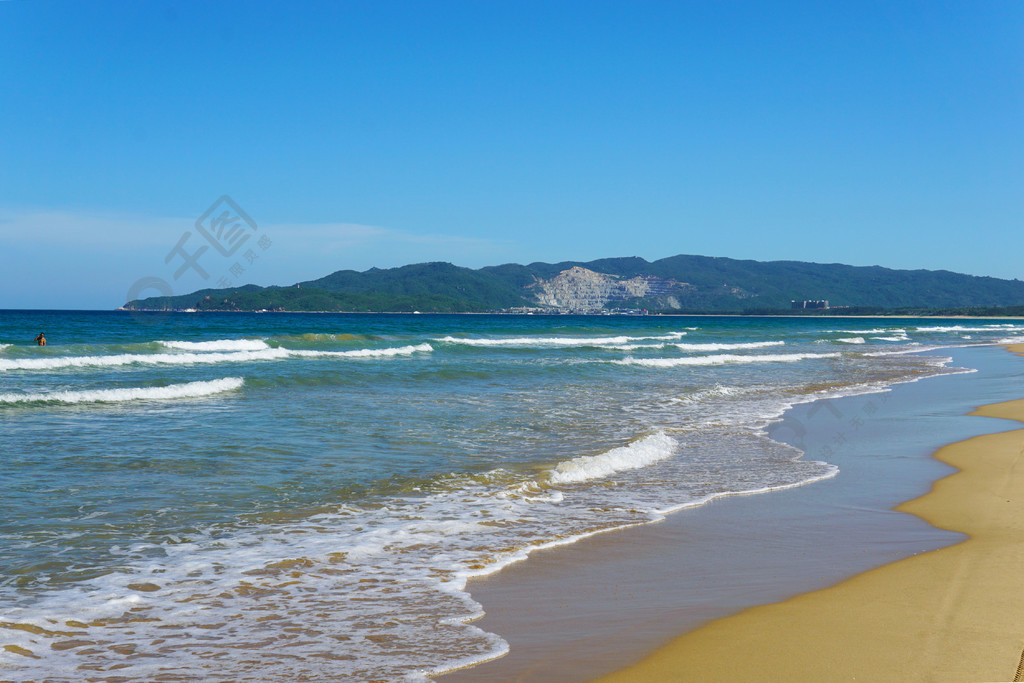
{"points": [[303, 497]]}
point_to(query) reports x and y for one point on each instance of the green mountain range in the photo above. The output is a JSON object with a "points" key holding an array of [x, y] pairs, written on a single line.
{"points": [[675, 284]]}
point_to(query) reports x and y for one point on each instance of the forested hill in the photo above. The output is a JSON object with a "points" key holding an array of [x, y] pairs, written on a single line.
{"points": [[677, 283]]}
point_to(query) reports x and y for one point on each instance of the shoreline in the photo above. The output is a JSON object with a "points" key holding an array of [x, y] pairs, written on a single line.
{"points": [[589, 609], [946, 614]]}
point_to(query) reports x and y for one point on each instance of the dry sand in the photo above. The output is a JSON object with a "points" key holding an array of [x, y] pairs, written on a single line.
{"points": [[955, 614]]}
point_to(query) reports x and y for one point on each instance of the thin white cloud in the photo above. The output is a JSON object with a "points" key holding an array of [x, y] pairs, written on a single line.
{"points": [[94, 230], [101, 230], [122, 248]]}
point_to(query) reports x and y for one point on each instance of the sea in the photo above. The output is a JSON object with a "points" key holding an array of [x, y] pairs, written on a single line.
{"points": [[254, 496]]}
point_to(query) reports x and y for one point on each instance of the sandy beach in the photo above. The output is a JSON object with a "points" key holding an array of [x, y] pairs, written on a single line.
{"points": [[952, 614]]}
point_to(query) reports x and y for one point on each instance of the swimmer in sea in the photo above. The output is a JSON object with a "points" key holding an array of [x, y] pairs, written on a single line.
{"points": [[41, 340]]}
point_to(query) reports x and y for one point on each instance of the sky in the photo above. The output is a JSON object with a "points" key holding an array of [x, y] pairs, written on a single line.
{"points": [[349, 135]]}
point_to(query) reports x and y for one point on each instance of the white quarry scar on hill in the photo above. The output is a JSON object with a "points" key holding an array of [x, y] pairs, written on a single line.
{"points": [[579, 288]]}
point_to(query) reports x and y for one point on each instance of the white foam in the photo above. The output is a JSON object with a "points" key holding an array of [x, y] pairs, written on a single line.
{"points": [[190, 358], [1001, 327], [557, 341], [218, 345], [396, 568], [713, 346], [851, 340], [897, 338], [633, 347], [404, 564], [713, 392], [187, 390], [830, 472], [369, 353], [58, 362], [722, 359], [912, 347], [638, 454]]}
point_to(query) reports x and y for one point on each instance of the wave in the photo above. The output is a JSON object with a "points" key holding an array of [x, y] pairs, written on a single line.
{"points": [[411, 557], [187, 390], [322, 337], [897, 338], [716, 391], [632, 347], [830, 472], [700, 346], [139, 358], [201, 357], [851, 340], [722, 359], [1003, 327], [715, 346], [873, 330], [556, 341], [218, 345], [370, 353], [638, 454]]}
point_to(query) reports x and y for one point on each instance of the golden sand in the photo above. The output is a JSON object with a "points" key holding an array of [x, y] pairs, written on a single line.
{"points": [[955, 614]]}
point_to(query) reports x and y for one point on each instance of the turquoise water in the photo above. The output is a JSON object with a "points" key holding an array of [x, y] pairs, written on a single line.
{"points": [[304, 496]]}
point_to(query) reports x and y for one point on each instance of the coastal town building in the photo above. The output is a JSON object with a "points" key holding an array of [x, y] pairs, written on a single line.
{"points": [[819, 304]]}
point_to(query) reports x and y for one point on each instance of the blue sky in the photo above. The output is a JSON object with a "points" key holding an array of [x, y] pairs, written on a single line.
{"points": [[379, 133]]}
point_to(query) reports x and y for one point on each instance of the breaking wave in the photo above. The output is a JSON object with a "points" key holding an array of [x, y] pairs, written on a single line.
{"points": [[218, 345], [189, 358], [1007, 327], [716, 391], [187, 390], [722, 359], [369, 353], [556, 341], [718, 346], [638, 454]]}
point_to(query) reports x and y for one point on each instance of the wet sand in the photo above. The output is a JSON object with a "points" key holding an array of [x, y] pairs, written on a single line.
{"points": [[953, 614], [579, 612]]}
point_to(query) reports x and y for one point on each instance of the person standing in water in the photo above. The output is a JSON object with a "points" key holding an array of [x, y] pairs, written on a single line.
{"points": [[41, 339]]}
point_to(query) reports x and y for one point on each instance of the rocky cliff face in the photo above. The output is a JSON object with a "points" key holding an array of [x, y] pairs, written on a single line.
{"points": [[579, 289]]}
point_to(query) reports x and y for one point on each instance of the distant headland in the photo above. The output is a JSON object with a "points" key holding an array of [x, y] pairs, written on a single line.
{"points": [[677, 284]]}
